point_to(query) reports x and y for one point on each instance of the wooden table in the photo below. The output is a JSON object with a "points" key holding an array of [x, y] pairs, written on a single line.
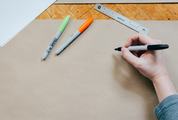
{"points": [[132, 11]]}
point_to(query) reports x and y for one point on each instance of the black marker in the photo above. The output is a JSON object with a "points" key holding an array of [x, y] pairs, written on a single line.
{"points": [[146, 47]]}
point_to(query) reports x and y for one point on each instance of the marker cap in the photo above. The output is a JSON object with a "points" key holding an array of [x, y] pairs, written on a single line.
{"points": [[64, 24], [158, 47], [86, 24]]}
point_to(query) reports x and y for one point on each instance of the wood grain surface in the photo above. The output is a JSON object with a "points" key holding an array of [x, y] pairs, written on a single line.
{"points": [[132, 11]]}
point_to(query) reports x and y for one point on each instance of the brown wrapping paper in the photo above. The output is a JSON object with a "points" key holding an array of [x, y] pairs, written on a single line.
{"points": [[88, 81]]}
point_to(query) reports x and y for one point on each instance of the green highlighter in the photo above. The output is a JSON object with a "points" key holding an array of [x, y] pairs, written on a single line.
{"points": [[56, 38]]}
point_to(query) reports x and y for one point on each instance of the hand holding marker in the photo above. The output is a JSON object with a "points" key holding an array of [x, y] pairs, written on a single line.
{"points": [[75, 35], [146, 47], [56, 38]]}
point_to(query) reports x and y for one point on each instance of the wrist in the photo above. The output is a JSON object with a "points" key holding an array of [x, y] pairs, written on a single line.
{"points": [[164, 87], [160, 78]]}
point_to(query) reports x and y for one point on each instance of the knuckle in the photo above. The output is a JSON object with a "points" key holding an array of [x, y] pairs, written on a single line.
{"points": [[158, 41], [124, 56], [139, 65]]}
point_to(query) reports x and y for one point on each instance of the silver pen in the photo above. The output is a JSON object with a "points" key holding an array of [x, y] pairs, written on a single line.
{"points": [[56, 38], [82, 28]]}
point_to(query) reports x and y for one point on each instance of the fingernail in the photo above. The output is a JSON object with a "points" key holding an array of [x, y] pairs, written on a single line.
{"points": [[123, 49]]}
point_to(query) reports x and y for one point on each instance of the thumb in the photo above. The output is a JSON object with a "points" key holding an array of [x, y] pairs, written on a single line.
{"points": [[129, 57]]}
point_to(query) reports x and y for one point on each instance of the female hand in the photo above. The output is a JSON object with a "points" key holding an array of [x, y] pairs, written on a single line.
{"points": [[150, 64]]}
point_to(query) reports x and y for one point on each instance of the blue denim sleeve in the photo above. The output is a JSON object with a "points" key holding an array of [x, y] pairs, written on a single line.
{"points": [[168, 108]]}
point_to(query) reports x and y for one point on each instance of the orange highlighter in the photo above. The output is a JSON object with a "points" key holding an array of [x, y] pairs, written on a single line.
{"points": [[83, 27]]}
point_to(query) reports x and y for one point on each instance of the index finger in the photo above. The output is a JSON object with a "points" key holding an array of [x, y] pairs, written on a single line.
{"points": [[140, 39]]}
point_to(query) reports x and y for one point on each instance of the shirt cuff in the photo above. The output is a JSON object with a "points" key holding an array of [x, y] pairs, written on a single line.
{"points": [[163, 107]]}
